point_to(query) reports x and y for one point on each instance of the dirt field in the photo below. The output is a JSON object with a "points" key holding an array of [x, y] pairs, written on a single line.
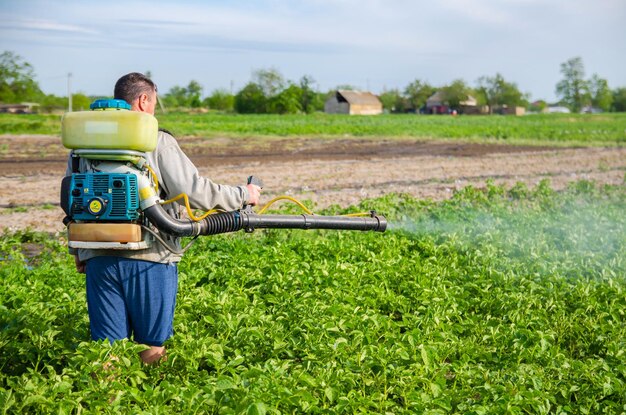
{"points": [[324, 171]]}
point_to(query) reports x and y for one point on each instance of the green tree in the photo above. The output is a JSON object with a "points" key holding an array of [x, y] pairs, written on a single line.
{"points": [[417, 92], [17, 79], [80, 102], [573, 89], [271, 81], [220, 99], [393, 101], [619, 100], [388, 99], [193, 92], [319, 101], [251, 100], [456, 93], [175, 97], [496, 91], [311, 100], [52, 102], [288, 101], [184, 97], [601, 96]]}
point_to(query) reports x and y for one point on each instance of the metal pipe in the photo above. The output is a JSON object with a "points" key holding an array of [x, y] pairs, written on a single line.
{"points": [[374, 222]]}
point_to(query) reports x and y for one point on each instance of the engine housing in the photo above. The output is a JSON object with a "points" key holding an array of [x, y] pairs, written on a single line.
{"points": [[104, 197]]}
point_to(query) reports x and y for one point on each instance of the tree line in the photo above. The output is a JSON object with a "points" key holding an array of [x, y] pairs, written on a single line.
{"points": [[269, 92], [18, 85]]}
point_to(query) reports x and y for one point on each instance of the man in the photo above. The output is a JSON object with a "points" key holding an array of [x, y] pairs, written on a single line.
{"points": [[134, 292]]}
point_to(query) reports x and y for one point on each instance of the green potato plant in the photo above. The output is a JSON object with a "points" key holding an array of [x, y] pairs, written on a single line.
{"points": [[495, 301]]}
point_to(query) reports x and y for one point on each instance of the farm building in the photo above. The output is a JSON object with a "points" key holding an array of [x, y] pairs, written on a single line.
{"points": [[438, 104], [23, 108], [353, 103], [506, 110], [557, 110]]}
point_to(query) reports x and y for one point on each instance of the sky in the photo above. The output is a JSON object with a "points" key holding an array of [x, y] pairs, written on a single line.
{"points": [[372, 45]]}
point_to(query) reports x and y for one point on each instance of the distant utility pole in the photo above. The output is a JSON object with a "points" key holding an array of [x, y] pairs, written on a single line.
{"points": [[232, 86], [69, 92]]}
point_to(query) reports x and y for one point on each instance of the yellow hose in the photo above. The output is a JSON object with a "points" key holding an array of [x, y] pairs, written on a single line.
{"points": [[284, 197], [260, 212], [304, 208], [154, 177], [188, 207]]}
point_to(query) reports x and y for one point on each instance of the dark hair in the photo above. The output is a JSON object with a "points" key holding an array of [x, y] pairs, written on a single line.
{"points": [[130, 87]]}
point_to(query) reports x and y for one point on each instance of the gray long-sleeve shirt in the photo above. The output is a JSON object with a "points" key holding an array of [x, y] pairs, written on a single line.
{"points": [[176, 174]]}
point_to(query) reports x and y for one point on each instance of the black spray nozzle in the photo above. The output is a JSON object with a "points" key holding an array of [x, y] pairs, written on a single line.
{"points": [[373, 222]]}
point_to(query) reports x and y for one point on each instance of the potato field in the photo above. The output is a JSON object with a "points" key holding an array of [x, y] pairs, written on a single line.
{"points": [[553, 129], [499, 300]]}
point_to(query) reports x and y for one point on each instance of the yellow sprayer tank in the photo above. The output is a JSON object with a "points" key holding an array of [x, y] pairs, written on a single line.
{"points": [[111, 125]]}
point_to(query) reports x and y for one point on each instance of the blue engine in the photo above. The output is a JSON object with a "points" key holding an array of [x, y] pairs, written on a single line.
{"points": [[104, 197]]}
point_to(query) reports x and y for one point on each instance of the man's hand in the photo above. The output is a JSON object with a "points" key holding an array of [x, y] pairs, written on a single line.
{"points": [[254, 194], [80, 265]]}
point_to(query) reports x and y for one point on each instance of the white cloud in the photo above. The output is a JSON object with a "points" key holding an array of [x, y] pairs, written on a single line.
{"points": [[44, 25], [387, 41], [345, 24]]}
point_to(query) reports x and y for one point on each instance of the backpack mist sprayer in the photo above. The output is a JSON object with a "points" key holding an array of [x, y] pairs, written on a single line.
{"points": [[111, 198]]}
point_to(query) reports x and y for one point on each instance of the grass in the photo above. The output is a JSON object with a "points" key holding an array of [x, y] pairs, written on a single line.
{"points": [[496, 301], [553, 129], [30, 124]]}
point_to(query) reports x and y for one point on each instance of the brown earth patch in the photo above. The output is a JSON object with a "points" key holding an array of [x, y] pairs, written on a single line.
{"points": [[325, 171]]}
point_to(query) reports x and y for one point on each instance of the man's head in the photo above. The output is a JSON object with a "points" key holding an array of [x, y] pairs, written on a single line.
{"points": [[138, 90]]}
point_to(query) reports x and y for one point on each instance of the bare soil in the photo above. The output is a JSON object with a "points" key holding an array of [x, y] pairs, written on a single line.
{"points": [[324, 171]]}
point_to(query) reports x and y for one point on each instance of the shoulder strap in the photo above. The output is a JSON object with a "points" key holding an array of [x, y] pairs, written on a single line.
{"points": [[166, 131], [75, 162]]}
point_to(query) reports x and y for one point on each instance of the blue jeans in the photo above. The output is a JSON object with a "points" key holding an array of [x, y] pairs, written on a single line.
{"points": [[129, 297]]}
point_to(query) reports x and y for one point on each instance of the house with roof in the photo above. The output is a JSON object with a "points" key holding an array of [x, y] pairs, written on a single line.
{"points": [[509, 110], [437, 103], [23, 108], [557, 109], [353, 103]]}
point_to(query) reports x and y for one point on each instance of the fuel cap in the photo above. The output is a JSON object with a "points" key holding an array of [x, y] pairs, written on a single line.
{"points": [[96, 206]]}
